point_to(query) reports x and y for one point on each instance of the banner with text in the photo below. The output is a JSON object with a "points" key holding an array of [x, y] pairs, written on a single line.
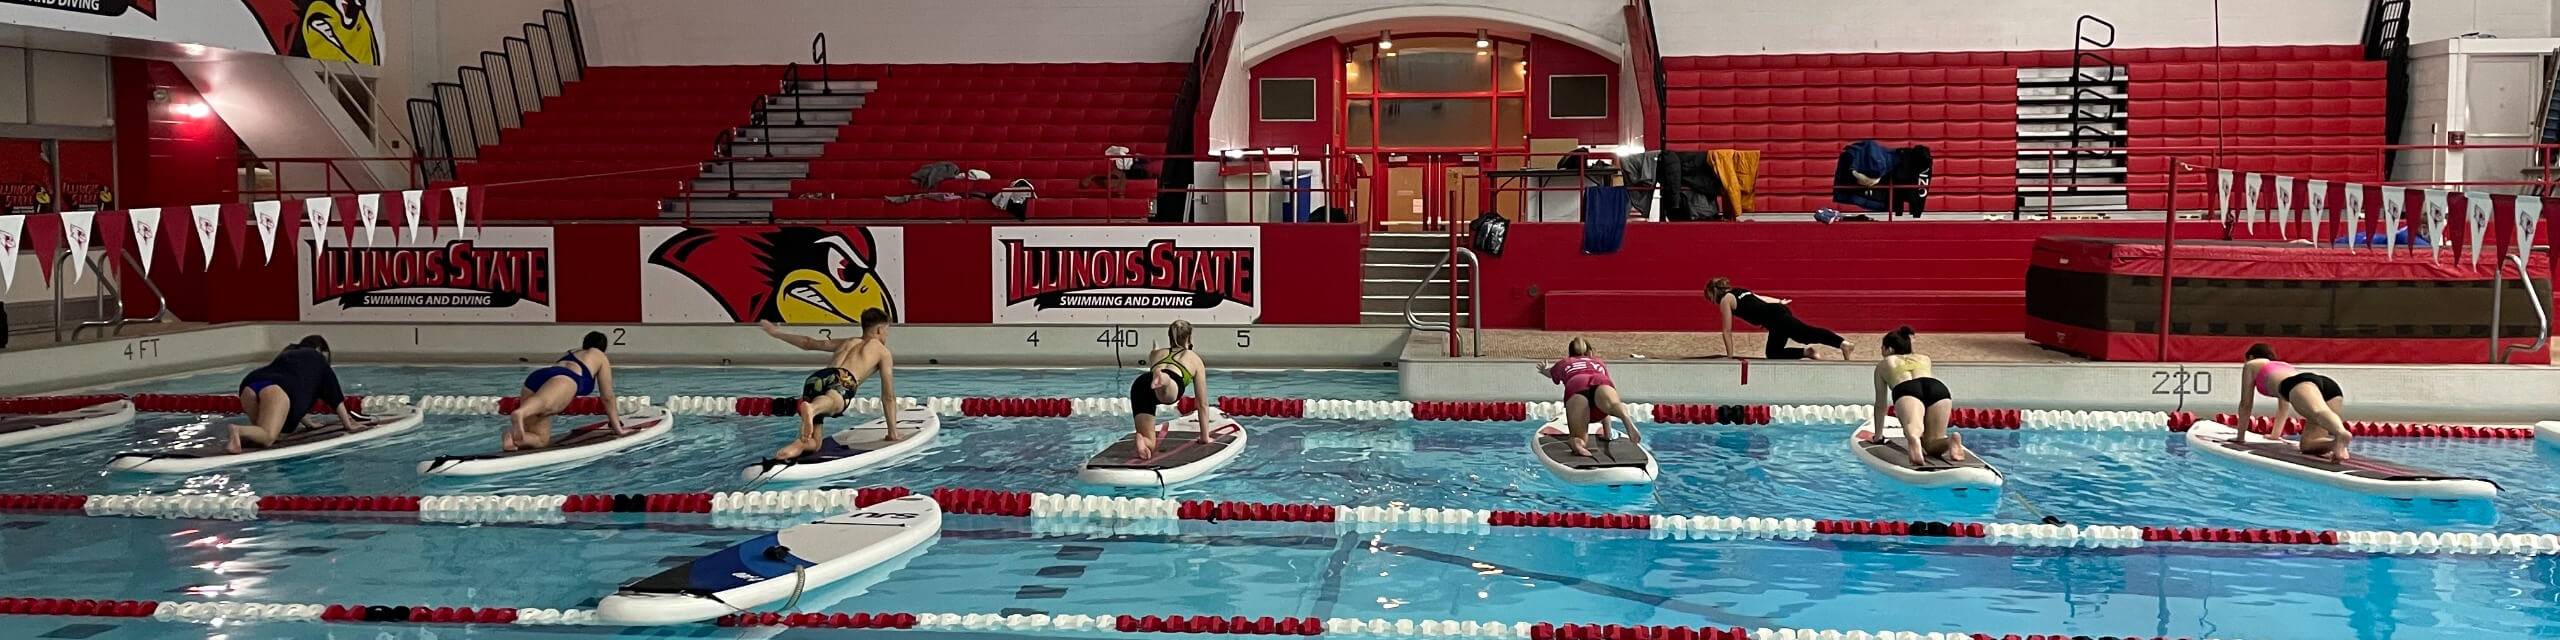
{"points": [[797, 275], [1128, 274], [502, 275]]}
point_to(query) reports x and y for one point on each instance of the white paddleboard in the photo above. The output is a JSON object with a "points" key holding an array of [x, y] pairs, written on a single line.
{"points": [[1618, 461], [2359, 474], [327, 435], [576, 445], [2547, 432], [21, 429], [1180, 456], [853, 449], [771, 567], [1887, 457]]}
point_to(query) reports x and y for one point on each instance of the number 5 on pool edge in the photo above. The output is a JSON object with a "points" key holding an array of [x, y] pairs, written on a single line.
{"points": [[1244, 338]]}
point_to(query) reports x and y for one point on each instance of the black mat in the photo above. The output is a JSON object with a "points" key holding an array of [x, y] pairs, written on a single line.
{"points": [[2360, 467], [1172, 450], [1891, 451], [1616, 452]]}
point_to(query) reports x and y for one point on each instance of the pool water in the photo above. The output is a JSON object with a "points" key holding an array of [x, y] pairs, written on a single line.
{"points": [[991, 565]]}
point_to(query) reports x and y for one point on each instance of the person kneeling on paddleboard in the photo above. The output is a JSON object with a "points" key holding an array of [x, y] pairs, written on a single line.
{"points": [[824, 394], [278, 396], [1170, 370], [1589, 395], [548, 391], [2315, 396], [1905, 388]]}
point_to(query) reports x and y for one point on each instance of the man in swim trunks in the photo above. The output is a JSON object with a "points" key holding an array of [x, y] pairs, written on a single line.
{"points": [[1906, 389], [548, 391], [278, 396], [1589, 395], [2315, 396], [824, 393], [1169, 370]]}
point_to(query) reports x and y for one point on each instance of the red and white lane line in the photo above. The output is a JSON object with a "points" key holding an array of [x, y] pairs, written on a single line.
{"points": [[227, 613], [1071, 513]]}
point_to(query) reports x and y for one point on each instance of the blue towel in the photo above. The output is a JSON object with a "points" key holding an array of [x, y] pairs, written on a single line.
{"points": [[1604, 219]]}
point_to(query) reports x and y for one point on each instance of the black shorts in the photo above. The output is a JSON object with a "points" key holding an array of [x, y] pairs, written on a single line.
{"points": [[2328, 388], [1142, 394], [1928, 390], [826, 381]]}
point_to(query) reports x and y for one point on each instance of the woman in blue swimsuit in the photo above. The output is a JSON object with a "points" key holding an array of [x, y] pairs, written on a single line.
{"points": [[550, 389]]}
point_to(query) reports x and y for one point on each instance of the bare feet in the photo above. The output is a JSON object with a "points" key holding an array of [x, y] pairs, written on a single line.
{"points": [[1955, 447], [1580, 450], [1911, 446], [892, 435], [1848, 351], [512, 438], [234, 445], [1146, 447]]}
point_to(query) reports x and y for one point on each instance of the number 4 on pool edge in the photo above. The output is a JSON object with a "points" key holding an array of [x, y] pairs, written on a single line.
{"points": [[1034, 339]]}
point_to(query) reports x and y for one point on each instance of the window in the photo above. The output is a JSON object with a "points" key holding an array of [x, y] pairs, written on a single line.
{"points": [[1288, 100], [1572, 97]]}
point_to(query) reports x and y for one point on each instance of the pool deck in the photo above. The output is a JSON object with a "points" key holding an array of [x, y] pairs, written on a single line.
{"points": [[1667, 345]]}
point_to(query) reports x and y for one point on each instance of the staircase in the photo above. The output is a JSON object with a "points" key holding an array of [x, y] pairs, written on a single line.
{"points": [[789, 129], [1392, 266], [2082, 106]]}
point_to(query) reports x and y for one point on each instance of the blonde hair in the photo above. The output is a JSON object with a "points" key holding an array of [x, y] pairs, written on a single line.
{"points": [[1578, 347], [1180, 332], [1717, 287]]}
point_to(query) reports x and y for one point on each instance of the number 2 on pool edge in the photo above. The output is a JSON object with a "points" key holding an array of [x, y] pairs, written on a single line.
{"points": [[2182, 383], [617, 337]]}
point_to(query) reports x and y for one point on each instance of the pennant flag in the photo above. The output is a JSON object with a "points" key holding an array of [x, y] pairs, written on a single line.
{"points": [[75, 237], [110, 228], [2354, 211], [2478, 209], [175, 217], [412, 203], [2393, 211], [10, 226], [346, 206], [2315, 205], [434, 209], [2284, 207], [43, 238], [462, 202], [146, 234], [368, 210], [316, 212], [2222, 195], [269, 214], [2528, 216], [206, 216], [2249, 189], [2438, 208], [235, 232]]}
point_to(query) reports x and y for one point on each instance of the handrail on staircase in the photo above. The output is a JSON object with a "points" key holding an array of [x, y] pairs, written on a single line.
{"points": [[818, 56], [2498, 297], [107, 324], [1475, 319], [2082, 43]]}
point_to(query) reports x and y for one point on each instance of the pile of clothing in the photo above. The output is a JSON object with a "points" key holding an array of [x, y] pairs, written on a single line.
{"points": [[1876, 178], [1695, 185]]}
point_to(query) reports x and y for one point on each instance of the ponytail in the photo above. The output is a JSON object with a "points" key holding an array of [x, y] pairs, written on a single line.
{"points": [[1899, 342]]}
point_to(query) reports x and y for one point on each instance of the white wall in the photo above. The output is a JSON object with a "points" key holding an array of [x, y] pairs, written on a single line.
{"points": [[54, 88], [667, 32], [1602, 21], [1715, 27]]}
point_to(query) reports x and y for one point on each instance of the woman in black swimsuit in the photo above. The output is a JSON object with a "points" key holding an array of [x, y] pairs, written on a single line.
{"points": [[1169, 370], [1774, 315], [276, 397]]}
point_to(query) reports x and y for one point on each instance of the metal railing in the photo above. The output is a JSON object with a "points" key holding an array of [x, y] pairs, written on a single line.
{"points": [[2084, 50], [459, 117], [106, 323], [2497, 317], [1475, 318]]}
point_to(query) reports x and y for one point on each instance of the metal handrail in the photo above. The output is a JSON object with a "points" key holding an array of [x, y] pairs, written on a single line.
{"points": [[1475, 319], [110, 324], [2080, 37], [2498, 298]]}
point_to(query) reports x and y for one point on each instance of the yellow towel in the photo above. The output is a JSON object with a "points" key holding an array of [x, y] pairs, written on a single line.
{"points": [[1738, 169]]}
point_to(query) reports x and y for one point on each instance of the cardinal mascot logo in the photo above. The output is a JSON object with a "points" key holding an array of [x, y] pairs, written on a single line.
{"points": [[339, 30], [786, 274]]}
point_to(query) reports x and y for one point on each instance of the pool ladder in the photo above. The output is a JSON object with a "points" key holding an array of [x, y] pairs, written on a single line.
{"points": [[1475, 321], [2497, 300], [106, 324]]}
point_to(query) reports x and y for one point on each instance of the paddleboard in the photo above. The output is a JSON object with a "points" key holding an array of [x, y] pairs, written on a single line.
{"points": [[328, 434], [773, 567], [1180, 454], [1617, 461], [2548, 432], [18, 429], [2360, 474], [853, 449], [578, 445], [1889, 458]]}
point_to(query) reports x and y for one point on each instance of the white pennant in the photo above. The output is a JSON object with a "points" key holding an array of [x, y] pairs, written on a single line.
{"points": [[2222, 194], [2249, 190], [9, 238], [2315, 205], [2438, 207], [2394, 210], [368, 212], [2480, 209], [146, 234], [2284, 207], [267, 214], [461, 208], [413, 205], [75, 237], [208, 217], [2354, 210], [315, 211], [2528, 216]]}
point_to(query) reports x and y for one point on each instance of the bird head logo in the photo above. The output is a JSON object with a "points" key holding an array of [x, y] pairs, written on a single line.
{"points": [[786, 274]]}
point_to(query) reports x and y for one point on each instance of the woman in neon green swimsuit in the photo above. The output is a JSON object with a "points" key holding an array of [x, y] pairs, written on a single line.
{"points": [[1169, 370]]}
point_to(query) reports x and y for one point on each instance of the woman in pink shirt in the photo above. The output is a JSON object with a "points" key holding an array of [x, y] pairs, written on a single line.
{"points": [[2315, 396], [1589, 395]]}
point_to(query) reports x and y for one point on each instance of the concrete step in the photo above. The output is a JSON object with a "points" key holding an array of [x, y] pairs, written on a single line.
{"points": [[783, 169], [785, 132], [812, 116], [1405, 286], [2035, 95], [2084, 180], [2061, 113], [1409, 241], [2088, 163], [2062, 130], [815, 101], [760, 149], [2063, 74], [2033, 146], [710, 205], [2070, 191], [835, 86], [1424, 257], [708, 183]]}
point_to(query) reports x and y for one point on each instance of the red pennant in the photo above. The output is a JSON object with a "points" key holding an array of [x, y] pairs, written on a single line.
{"points": [[479, 207], [110, 231], [178, 218], [395, 216], [42, 236], [436, 202], [348, 217], [235, 230]]}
